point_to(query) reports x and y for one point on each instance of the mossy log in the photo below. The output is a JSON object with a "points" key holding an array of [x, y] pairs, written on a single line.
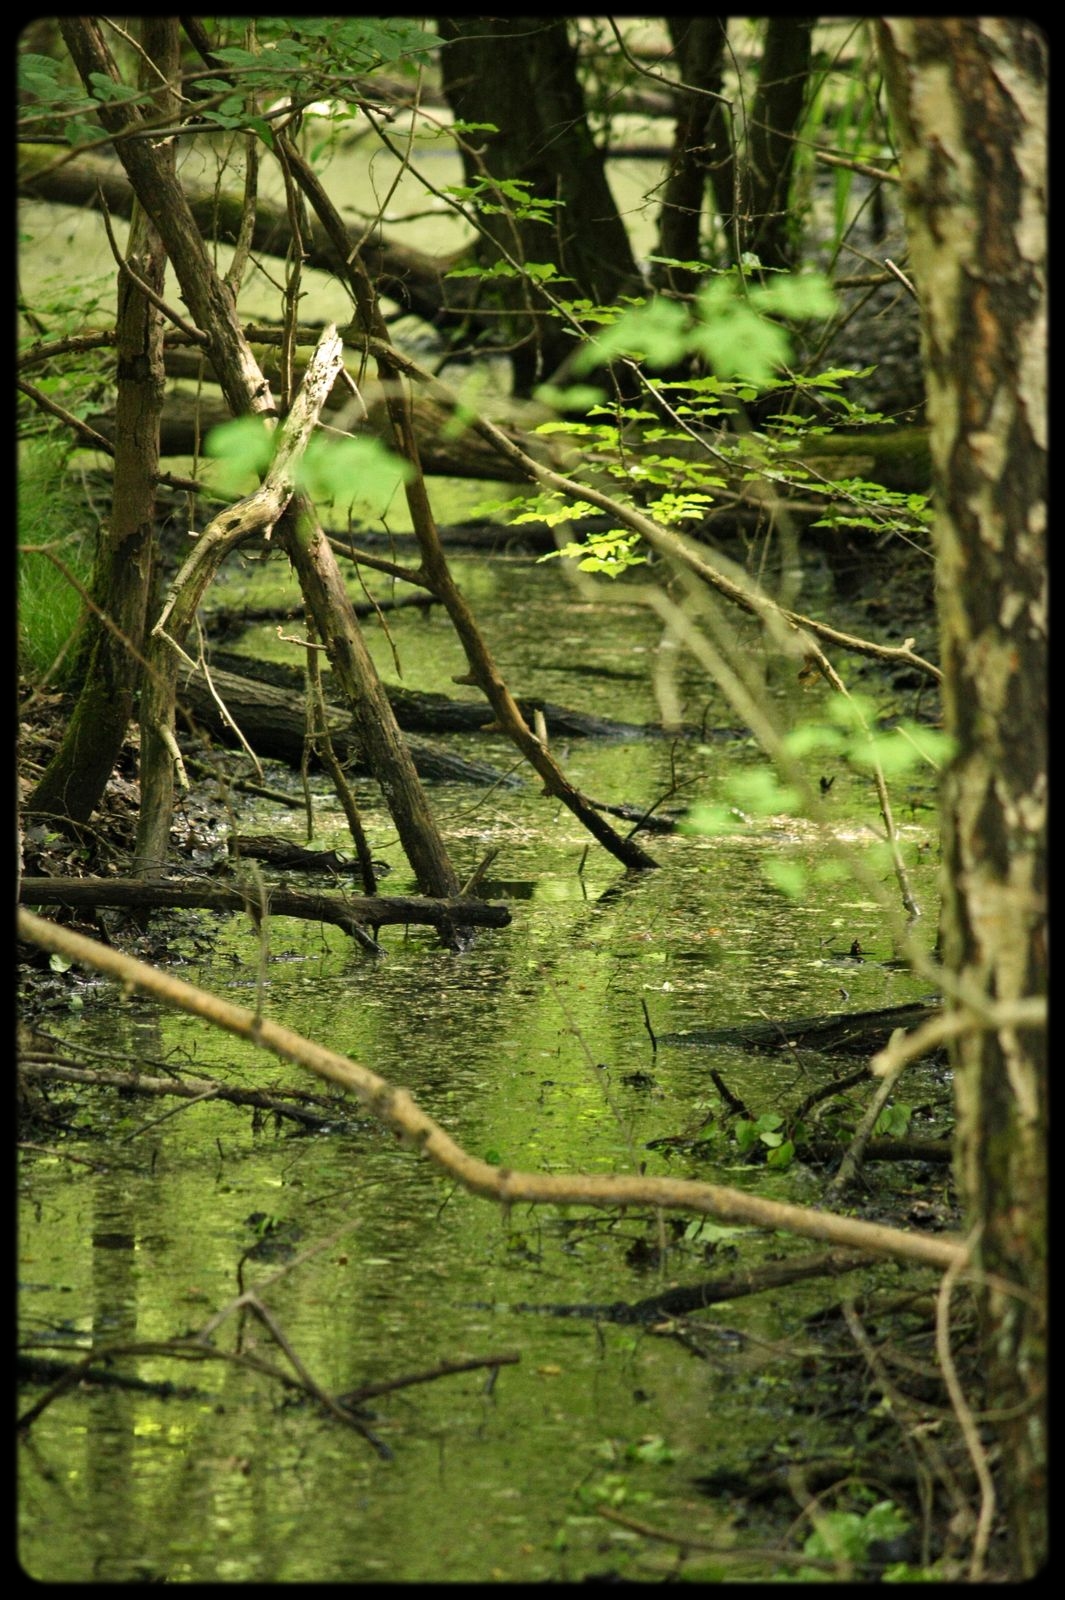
{"points": [[897, 458]]}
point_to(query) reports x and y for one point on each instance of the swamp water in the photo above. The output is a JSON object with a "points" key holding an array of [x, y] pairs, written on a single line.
{"points": [[531, 1049]]}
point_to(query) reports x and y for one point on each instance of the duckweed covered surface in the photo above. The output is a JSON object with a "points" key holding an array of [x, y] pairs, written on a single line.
{"points": [[534, 1049]]}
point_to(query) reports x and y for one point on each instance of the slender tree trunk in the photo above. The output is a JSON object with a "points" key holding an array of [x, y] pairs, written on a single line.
{"points": [[213, 307], [968, 96], [110, 665], [156, 185], [382, 743]]}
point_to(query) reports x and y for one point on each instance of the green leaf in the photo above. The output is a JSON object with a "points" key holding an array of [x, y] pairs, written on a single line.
{"points": [[343, 470], [653, 1449], [544, 272], [711, 1233], [235, 56], [899, 750], [736, 341], [709, 820], [106, 88], [39, 75], [894, 1122], [799, 296], [683, 266], [77, 132], [554, 510], [782, 1157], [243, 447], [759, 790], [498, 269], [656, 331], [847, 1535], [809, 736], [575, 397]]}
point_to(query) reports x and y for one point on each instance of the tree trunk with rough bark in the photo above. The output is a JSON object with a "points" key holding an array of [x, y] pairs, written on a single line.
{"points": [[109, 667], [766, 227], [968, 96], [702, 149], [520, 74]]}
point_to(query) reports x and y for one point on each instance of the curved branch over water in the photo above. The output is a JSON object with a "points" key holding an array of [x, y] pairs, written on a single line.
{"points": [[398, 1110]]}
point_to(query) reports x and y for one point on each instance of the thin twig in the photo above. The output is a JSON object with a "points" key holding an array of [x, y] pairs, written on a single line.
{"points": [[977, 1453]]}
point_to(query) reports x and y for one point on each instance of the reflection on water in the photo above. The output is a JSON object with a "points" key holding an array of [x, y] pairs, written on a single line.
{"points": [[533, 1049]]}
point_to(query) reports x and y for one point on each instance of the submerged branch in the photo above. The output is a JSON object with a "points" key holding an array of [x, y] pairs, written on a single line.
{"points": [[397, 1109], [188, 1089]]}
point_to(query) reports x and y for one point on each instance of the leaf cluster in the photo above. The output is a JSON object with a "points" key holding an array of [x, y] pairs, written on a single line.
{"points": [[317, 59]]}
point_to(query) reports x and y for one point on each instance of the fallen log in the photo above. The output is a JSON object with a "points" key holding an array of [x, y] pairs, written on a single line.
{"points": [[273, 721], [352, 912], [440, 713], [187, 419], [227, 621], [846, 1033], [683, 1300], [411, 278], [290, 857]]}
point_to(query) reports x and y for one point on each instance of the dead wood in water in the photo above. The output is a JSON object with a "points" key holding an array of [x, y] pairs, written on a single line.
{"points": [[398, 1110], [187, 419], [422, 712], [274, 722], [352, 912], [682, 1301], [846, 1033]]}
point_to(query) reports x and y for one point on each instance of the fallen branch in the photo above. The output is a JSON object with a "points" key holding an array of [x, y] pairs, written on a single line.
{"points": [[352, 912], [720, 1552], [181, 1088], [397, 1109], [446, 1369], [195, 1350], [680, 1302], [846, 1033]]}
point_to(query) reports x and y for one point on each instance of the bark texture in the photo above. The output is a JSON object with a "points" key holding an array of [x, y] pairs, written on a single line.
{"points": [[109, 668], [520, 74], [702, 149], [969, 100], [766, 226]]}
